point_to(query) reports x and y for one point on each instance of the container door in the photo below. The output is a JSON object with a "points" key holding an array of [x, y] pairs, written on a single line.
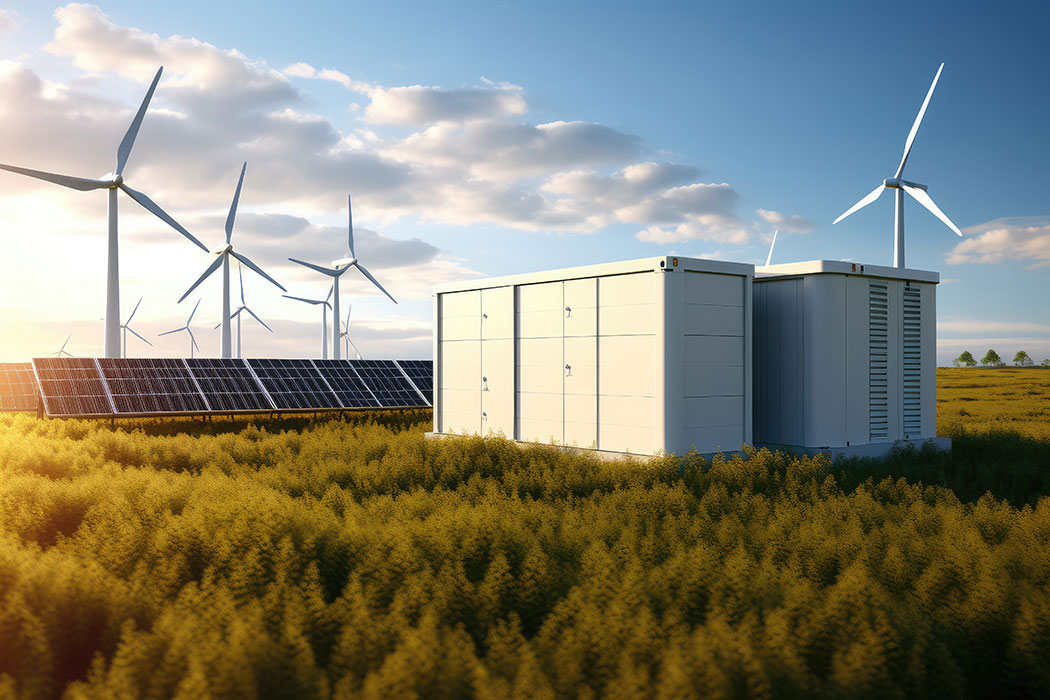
{"points": [[540, 362], [626, 367], [497, 361], [460, 352], [580, 369]]}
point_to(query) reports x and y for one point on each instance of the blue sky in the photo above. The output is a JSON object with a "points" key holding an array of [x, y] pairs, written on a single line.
{"points": [[794, 109]]}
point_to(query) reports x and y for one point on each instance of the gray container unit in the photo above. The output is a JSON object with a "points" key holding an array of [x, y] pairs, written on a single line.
{"points": [[844, 356], [642, 356]]}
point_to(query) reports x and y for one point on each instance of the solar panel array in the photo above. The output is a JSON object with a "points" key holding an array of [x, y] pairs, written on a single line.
{"points": [[18, 390], [72, 386], [294, 384], [108, 386], [151, 386]]}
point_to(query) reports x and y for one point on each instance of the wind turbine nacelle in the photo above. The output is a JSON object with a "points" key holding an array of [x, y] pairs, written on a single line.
{"points": [[226, 248], [343, 261], [896, 183]]}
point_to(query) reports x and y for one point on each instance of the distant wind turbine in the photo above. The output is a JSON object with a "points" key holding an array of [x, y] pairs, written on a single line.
{"points": [[243, 307], [126, 328], [324, 317], [193, 341], [224, 254], [62, 350], [346, 334], [114, 181], [769, 258], [900, 186], [336, 271]]}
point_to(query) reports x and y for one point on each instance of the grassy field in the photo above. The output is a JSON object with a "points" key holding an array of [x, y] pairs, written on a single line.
{"points": [[355, 559]]}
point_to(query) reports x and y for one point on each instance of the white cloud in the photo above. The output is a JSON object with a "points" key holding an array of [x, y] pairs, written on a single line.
{"points": [[425, 104], [9, 19], [984, 326], [1025, 239], [787, 223]]}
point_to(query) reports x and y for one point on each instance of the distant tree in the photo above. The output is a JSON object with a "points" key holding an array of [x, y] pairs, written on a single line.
{"points": [[1046, 363], [965, 360], [1021, 359], [991, 358]]}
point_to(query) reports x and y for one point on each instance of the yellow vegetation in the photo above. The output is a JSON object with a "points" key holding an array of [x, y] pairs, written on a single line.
{"points": [[355, 559]]}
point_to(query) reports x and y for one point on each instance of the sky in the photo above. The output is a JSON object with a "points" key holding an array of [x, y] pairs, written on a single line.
{"points": [[484, 138]]}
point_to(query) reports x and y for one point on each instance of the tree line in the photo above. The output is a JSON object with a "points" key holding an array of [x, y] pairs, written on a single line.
{"points": [[992, 359]]}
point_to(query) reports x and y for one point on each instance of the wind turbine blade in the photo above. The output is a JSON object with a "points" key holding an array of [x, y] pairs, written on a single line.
{"points": [[133, 312], [330, 290], [150, 205], [355, 349], [191, 315], [124, 150], [769, 258], [257, 269], [211, 268], [77, 183], [63, 348], [868, 199], [193, 340], [368, 274], [233, 205], [240, 277], [322, 270], [138, 336], [924, 199], [350, 215], [308, 301], [261, 322], [174, 331], [348, 308], [918, 120]]}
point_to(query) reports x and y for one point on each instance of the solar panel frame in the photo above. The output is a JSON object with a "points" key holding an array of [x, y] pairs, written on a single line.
{"points": [[229, 385], [18, 387], [421, 374], [294, 384], [148, 386], [388, 384], [347, 385], [72, 387]]}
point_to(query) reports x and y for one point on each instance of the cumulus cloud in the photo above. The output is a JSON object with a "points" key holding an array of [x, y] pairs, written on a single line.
{"points": [[9, 19], [792, 223], [1025, 239]]}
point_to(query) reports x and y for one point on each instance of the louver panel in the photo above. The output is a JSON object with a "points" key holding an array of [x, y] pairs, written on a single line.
{"points": [[878, 362], [912, 362]]}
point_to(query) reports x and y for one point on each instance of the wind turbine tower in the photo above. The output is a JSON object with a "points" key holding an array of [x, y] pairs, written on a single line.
{"points": [[112, 182], [900, 186], [243, 307], [336, 271], [325, 306]]}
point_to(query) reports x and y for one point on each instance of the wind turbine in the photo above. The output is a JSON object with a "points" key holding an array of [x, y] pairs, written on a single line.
{"points": [[126, 327], [336, 271], [113, 181], [243, 307], [769, 258], [193, 341], [346, 334], [62, 350], [900, 186], [223, 259], [324, 317]]}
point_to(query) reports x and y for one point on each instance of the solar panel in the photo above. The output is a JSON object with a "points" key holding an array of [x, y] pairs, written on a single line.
{"points": [[71, 386], [421, 372], [228, 385], [347, 385], [294, 384], [18, 390], [389, 385], [151, 386]]}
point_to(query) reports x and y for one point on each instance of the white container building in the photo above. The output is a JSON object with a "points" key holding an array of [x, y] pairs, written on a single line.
{"points": [[844, 356], [642, 356]]}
